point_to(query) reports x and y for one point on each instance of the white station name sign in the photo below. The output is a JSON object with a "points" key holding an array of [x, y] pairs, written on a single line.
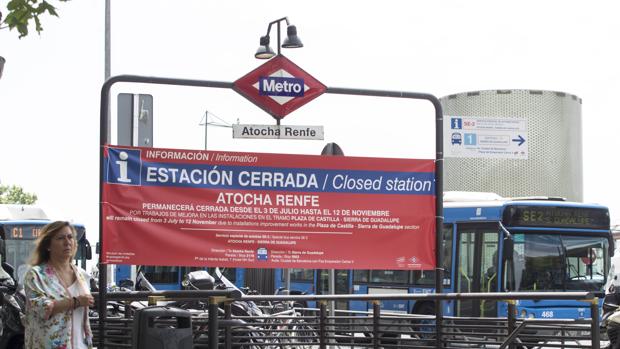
{"points": [[278, 131]]}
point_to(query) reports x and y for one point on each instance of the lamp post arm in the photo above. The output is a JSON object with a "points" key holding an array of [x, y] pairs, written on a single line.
{"points": [[277, 21]]}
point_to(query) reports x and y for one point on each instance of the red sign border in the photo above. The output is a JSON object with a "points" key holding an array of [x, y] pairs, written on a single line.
{"points": [[244, 87]]}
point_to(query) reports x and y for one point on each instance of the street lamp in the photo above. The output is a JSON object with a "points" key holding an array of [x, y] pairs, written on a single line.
{"points": [[220, 123], [206, 124], [292, 40]]}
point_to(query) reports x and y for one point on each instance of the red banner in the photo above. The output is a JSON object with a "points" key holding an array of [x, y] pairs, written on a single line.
{"points": [[211, 208]]}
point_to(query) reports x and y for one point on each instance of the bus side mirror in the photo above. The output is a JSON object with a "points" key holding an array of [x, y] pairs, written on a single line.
{"points": [[508, 248], [88, 251]]}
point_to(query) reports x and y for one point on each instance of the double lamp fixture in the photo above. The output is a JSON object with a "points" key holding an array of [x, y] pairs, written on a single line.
{"points": [[292, 40]]}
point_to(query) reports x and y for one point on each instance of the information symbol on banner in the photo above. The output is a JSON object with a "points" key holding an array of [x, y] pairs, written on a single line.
{"points": [[456, 123], [123, 166]]}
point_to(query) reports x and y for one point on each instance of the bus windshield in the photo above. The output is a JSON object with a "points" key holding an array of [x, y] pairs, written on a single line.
{"points": [[557, 262], [18, 255]]}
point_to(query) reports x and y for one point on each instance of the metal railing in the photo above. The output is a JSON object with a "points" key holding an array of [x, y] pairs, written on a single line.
{"points": [[285, 324]]}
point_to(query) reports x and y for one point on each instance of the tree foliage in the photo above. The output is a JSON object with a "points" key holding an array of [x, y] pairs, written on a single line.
{"points": [[13, 194], [23, 12]]}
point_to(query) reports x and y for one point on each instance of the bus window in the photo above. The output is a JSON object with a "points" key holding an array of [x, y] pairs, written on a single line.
{"points": [[306, 275], [424, 278], [400, 277], [559, 262], [161, 275], [585, 259], [360, 276], [18, 255]]}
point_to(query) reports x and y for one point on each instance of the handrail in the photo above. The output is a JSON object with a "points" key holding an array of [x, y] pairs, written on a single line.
{"points": [[143, 295]]}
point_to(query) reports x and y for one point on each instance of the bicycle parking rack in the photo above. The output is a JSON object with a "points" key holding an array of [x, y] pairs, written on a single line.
{"points": [[317, 328]]}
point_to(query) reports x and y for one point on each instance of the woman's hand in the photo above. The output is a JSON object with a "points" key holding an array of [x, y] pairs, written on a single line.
{"points": [[86, 300]]}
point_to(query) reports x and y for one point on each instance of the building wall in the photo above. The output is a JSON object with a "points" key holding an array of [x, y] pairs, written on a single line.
{"points": [[554, 166]]}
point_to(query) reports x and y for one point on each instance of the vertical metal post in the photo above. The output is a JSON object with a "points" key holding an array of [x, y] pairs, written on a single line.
{"points": [[376, 316], [596, 336], [107, 58], [213, 323], [287, 279], [105, 138], [228, 329], [278, 40], [512, 311], [322, 324], [438, 315], [108, 45], [438, 219], [332, 304]]}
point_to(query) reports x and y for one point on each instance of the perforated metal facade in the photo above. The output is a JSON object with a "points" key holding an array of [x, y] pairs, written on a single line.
{"points": [[554, 166]]}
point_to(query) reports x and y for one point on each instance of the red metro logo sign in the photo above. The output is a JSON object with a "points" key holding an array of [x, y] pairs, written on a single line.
{"points": [[279, 87]]}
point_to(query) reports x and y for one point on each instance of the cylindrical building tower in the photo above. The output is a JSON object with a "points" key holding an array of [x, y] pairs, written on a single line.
{"points": [[485, 143]]}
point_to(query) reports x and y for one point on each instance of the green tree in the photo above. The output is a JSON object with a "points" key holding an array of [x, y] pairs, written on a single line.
{"points": [[13, 194], [22, 12]]}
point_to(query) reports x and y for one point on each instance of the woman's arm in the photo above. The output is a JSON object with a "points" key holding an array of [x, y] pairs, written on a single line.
{"points": [[62, 305], [41, 304]]}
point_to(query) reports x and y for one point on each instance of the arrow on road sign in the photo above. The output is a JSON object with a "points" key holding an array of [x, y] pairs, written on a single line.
{"points": [[521, 140]]}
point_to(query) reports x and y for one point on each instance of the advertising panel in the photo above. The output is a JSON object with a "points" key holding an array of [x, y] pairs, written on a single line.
{"points": [[258, 210]]}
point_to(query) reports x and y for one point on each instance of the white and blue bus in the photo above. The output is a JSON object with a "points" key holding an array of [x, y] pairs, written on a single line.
{"points": [[20, 225], [489, 244], [494, 244]]}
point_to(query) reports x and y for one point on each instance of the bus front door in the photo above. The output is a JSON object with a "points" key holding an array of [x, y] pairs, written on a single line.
{"points": [[343, 281], [476, 269]]}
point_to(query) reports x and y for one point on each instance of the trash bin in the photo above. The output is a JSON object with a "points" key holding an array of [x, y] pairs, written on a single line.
{"points": [[162, 328]]}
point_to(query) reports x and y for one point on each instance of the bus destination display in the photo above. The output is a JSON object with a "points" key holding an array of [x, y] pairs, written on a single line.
{"points": [[22, 232], [554, 216]]}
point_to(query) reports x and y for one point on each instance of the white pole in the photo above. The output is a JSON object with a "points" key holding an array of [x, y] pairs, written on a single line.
{"points": [[107, 40], [106, 74]]}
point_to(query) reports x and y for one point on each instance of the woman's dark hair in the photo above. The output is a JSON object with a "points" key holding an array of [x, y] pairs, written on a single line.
{"points": [[41, 253]]}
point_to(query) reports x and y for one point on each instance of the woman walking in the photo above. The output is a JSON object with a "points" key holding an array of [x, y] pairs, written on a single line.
{"points": [[57, 294]]}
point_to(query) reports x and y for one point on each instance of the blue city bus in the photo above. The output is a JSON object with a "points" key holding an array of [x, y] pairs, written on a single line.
{"points": [[489, 244], [20, 225], [493, 244]]}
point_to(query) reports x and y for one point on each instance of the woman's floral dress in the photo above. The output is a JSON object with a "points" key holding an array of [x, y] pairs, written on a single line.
{"points": [[42, 287]]}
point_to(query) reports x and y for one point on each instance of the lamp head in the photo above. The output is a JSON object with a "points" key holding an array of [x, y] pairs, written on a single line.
{"points": [[292, 40], [264, 51]]}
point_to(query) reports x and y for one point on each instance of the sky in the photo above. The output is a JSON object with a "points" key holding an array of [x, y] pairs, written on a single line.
{"points": [[50, 89]]}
